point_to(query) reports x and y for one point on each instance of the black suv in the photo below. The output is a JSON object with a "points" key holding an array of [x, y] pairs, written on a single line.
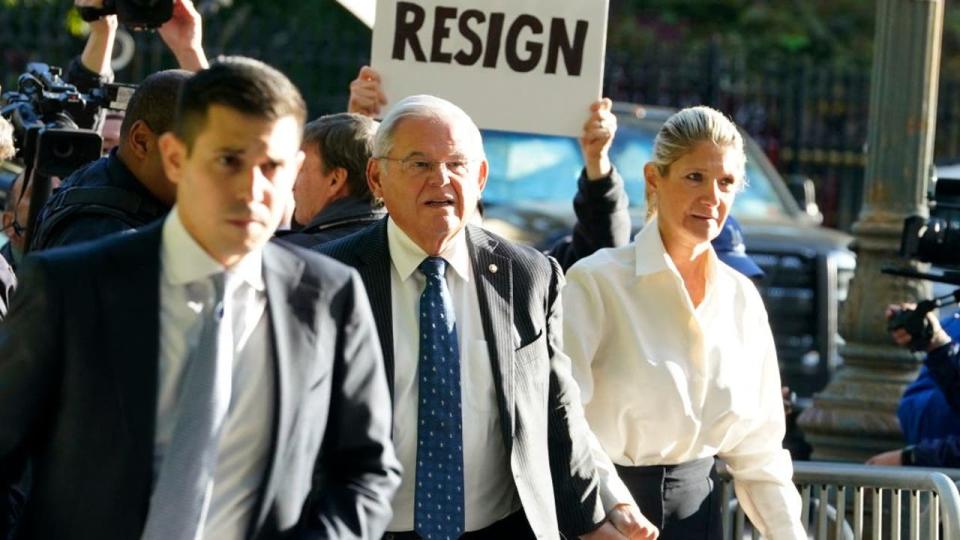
{"points": [[529, 197]]}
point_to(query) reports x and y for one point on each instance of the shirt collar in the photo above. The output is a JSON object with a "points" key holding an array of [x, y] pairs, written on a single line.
{"points": [[407, 255], [652, 256], [184, 261]]}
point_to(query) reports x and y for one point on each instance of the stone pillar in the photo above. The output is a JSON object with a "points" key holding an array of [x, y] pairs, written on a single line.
{"points": [[855, 415]]}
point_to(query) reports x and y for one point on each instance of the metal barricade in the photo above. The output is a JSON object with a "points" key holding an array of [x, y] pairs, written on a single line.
{"points": [[842, 501]]}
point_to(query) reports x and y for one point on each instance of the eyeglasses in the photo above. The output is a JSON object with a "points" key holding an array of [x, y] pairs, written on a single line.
{"points": [[414, 166]]}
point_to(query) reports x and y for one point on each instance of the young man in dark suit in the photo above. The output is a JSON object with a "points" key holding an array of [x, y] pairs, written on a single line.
{"points": [[487, 417], [193, 380]]}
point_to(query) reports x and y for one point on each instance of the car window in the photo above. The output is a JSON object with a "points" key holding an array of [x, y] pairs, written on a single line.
{"points": [[535, 168], [543, 169]]}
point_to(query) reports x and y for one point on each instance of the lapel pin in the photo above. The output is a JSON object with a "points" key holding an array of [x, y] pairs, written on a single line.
{"points": [[492, 268]]}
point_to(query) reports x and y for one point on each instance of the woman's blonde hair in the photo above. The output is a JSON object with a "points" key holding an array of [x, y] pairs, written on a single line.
{"points": [[684, 130], [690, 126]]}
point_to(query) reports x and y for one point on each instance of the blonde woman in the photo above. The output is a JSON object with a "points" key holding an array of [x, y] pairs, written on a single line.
{"points": [[673, 351]]}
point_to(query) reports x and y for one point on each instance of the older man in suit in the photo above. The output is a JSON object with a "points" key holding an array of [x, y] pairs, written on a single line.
{"points": [[192, 380], [487, 419]]}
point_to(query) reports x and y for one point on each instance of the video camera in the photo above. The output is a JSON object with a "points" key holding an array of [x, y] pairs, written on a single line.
{"points": [[135, 14], [52, 121], [52, 127], [934, 240]]}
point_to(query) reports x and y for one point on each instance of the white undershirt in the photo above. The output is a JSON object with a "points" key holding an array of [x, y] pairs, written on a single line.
{"points": [[664, 382], [489, 491], [245, 441]]}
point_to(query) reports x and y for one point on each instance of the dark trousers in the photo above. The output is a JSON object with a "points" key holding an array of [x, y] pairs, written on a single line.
{"points": [[682, 500], [512, 527]]}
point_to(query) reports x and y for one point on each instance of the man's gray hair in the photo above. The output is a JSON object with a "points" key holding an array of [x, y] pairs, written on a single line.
{"points": [[428, 107], [344, 140], [690, 126]]}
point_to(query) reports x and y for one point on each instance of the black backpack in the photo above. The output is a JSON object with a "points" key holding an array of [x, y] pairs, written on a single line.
{"points": [[67, 205]]}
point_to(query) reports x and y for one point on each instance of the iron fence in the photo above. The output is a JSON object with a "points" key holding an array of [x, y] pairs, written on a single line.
{"points": [[842, 501]]}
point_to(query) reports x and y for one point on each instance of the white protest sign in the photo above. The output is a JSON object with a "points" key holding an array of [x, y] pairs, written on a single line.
{"points": [[365, 10], [513, 65]]}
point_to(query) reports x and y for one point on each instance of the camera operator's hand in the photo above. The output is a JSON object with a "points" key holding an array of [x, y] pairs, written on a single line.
{"points": [[366, 96], [99, 48], [183, 33], [903, 338], [893, 458]]}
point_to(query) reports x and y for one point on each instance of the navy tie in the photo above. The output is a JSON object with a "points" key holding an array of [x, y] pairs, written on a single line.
{"points": [[439, 512]]}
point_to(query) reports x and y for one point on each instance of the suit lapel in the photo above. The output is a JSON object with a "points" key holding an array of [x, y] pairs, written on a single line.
{"points": [[374, 268], [291, 305], [494, 277], [130, 296]]}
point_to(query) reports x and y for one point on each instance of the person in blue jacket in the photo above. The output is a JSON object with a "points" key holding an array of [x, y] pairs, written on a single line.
{"points": [[929, 410]]}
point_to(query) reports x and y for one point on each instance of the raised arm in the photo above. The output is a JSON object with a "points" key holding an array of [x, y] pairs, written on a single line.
{"points": [[183, 34], [99, 47], [601, 205], [943, 354]]}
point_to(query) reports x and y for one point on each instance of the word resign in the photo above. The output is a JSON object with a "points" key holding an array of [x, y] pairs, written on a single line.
{"points": [[523, 39]]}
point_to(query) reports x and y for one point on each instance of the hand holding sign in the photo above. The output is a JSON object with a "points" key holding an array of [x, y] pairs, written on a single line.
{"points": [[366, 95], [597, 138]]}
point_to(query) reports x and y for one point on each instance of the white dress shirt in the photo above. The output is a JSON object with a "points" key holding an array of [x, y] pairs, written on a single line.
{"points": [[664, 382], [489, 491], [245, 441]]}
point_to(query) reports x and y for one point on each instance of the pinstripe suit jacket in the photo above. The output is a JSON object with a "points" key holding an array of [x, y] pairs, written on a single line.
{"points": [[547, 437]]}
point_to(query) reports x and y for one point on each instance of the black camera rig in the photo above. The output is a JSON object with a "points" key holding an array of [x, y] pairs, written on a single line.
{"points": [[935, 240], [52, 120], [52, 124], [135, 14]]}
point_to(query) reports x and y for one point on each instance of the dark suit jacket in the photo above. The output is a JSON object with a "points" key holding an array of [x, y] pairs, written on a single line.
{"points": [[99, 199], [78, 384], [541, 417]]}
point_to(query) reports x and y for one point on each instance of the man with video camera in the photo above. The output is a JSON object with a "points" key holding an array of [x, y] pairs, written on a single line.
{"points": [[929, 410], [934, 445], [128, 188]]}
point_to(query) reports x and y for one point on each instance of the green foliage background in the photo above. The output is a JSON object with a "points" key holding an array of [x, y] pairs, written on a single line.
{"points": [[299, 35], [836, 31]]}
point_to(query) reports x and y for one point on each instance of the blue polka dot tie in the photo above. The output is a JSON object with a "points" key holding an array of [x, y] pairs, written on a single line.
{"points": [[439, 492]]}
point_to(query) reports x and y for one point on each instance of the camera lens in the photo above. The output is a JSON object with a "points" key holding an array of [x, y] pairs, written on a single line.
{"points": [[63, 149]]}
